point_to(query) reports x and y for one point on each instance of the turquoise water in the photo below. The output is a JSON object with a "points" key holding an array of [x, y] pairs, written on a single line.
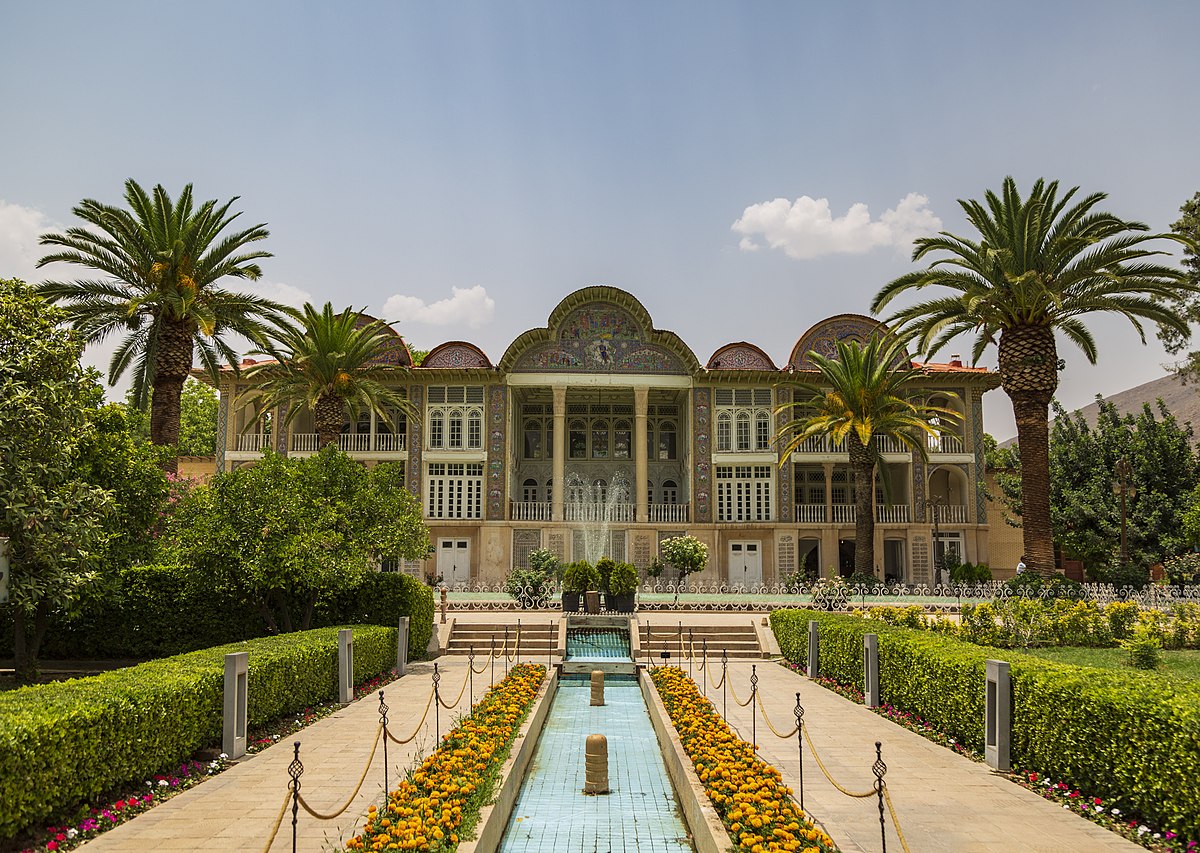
{"points": [[597, 644], [640, 814]]}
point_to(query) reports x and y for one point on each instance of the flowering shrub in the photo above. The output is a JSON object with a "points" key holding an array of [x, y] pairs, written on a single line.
{"points": [[748, 794], [440, 801]]}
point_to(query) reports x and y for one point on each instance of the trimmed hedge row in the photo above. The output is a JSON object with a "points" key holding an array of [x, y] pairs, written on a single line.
{"points": [[154, 611], [63, 743], [1131, 737]]}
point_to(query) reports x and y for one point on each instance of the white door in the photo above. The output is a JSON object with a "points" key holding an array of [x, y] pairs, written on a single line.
{"points": [[745, 565], [454, 561]]}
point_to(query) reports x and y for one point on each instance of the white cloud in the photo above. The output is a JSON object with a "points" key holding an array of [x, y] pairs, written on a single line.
{"points": [[806, 228], [20, 228], [278, 291], [468, 306]]}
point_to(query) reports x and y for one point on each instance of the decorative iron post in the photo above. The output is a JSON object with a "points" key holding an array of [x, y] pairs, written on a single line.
{"points": [[724, 677], [295, 771], [383, 719], [471, 675], [506, 651], [704, 668], [799, 712], [437, 702], [879, 769], [753, 699], [492, 663], [691, 649]]}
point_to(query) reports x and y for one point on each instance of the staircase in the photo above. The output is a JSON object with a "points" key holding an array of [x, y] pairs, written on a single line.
{"points": [[538, 639], [738, 641]]}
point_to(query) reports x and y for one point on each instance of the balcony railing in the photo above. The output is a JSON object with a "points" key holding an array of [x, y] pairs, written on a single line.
{"points": [[810, 513], [843, 513], [948, 514], [815, 444], [363, 442], [669, 513], [386, 442], [622, 512], [892, 513], [305, 442], [889, 444], [822, 444], [354, 442], [530, 510], [253, 442], [946, 444]]}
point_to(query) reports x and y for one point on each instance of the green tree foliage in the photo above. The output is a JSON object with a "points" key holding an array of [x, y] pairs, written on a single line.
{"points": [[1038, 267], [865, 392], [285, 532], [1187, 228], [1085, 512], [161, 260], [52, 515], [198, 404]]}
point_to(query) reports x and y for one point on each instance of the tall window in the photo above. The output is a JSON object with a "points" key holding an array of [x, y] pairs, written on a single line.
{"points": [[743, 419], [533, 439], [455, 417], [529, 491], [454, 490], [744, 492], [670, 492], [622, 440]]}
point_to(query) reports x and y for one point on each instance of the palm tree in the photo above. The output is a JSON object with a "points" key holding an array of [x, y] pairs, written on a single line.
{"points": [[161, 260], [1038, 266], [329, 365], [864, 392]]}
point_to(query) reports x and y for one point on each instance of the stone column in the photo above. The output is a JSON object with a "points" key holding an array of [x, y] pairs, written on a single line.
{"points": [[828, 467], [559, 470], [641, 462]]}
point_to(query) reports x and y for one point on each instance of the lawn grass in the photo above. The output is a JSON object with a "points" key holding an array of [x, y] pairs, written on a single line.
{"points": [[1184, 663]]}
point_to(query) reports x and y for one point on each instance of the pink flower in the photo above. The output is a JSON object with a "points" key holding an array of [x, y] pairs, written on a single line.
{"points": [[53, 845]]}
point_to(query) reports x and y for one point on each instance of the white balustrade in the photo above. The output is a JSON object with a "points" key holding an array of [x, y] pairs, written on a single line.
{"points": [[810, 513], [608, 512], [950, 514], [253, 442], [305, 442], [386, 442], [669, 513], [947, 444], [530, 511], [892, 513], [843, 513], [890, 444], [354, 442], [815, 444]]}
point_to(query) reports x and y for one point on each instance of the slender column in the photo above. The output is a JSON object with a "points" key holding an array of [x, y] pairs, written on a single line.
{"points": [[641, 397], [828, 466], [559, 471]]}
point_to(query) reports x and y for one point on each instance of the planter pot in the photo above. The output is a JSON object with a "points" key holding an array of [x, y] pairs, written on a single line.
{"points": [[591, 600], [570, 602], [620, 603]]}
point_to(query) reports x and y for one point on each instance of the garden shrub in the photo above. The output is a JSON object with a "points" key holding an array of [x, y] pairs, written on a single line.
{"points": [[1122, 616], [1133, 738], [910, 616], [66, 742]]}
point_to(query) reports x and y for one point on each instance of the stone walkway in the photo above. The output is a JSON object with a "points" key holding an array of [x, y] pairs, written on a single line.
{"points": [[946, 803]]}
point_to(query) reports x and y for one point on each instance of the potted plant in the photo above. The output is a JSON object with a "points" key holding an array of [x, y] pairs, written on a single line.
{"points": [[529, 587], [605, 566], [578, 578], [622, 588]]}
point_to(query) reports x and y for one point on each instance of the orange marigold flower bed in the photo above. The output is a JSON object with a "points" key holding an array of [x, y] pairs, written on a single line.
{"points": [[749, 795], [441, 799]]}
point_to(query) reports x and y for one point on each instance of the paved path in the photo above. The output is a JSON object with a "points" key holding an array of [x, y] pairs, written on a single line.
{"points": [[946, 803]]}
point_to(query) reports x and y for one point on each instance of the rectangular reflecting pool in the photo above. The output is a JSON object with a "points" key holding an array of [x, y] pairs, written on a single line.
{"points": [[553, 814]]}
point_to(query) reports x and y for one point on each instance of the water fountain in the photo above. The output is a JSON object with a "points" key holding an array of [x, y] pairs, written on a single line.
{"points": [[596, 507]]}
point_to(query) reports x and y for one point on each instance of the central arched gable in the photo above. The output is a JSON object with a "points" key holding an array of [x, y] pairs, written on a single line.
{"points": [[599, 330], [823, 338]]}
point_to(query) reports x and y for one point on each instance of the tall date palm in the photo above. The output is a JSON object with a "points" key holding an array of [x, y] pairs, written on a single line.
{"points": [[1038, 266], [161, 260]]}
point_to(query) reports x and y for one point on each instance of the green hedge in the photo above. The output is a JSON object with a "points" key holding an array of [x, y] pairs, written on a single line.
{"points": [[1130, 737], [66, 742], [154, 611]]}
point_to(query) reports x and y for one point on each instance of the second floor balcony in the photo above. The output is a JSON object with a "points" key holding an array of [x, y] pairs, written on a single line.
{"points": [[378, 442]]}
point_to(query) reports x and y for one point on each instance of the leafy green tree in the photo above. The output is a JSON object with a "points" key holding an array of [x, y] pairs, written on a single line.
{"points": [[1039, 266], [333, 365], [865, 392], [161, 261], [198, 404], [687, 554], [1187, 228], [285, 532], [1085, 510], [53, 518]]}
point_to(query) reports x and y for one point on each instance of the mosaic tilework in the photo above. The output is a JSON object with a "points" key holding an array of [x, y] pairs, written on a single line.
{"points": [[640, 814]]}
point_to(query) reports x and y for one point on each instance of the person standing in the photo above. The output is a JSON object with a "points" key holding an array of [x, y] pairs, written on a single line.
{"points": [[1021, 564]]}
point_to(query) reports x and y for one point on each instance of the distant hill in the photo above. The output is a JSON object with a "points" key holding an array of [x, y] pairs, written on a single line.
{"points": [[1183, 401]]}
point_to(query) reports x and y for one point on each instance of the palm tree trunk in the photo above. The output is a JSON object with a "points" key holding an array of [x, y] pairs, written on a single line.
{"points": [[1029, 375], [172, 365], [863, 466], [329, 416]]}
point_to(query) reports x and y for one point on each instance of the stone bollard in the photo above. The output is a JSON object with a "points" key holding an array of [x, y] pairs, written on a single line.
{"points": [[233, 729], [445, 603], [597, 687], [402, 647], [814, 648], [871, 670], [346, 666], [997, 716], [596, 765]]}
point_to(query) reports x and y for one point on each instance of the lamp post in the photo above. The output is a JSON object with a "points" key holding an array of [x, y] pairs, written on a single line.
{"points": [[1122, 487]]}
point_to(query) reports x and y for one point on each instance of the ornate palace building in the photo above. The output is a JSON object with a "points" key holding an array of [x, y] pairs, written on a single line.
{"points": [[602, 401]]}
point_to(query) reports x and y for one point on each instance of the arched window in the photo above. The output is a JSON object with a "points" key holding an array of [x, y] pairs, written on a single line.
{"points": [[363, 427], [475, 430], [762, 431], [743, 431], [578, 440], [437, 435], [533, 439], [622, 440], [600, 439], [529, 490], [670, 492], [666, 440], [455, 429], [724, 432]]}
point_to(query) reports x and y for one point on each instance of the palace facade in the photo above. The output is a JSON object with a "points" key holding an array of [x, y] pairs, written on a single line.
{"points": [[602, 401]]}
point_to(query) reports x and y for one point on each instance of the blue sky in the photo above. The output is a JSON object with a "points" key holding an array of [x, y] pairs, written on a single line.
{"points": [[464, 166]]}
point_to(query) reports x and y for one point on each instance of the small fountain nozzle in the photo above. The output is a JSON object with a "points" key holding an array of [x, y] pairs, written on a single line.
{"points": [[596, 765]]}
